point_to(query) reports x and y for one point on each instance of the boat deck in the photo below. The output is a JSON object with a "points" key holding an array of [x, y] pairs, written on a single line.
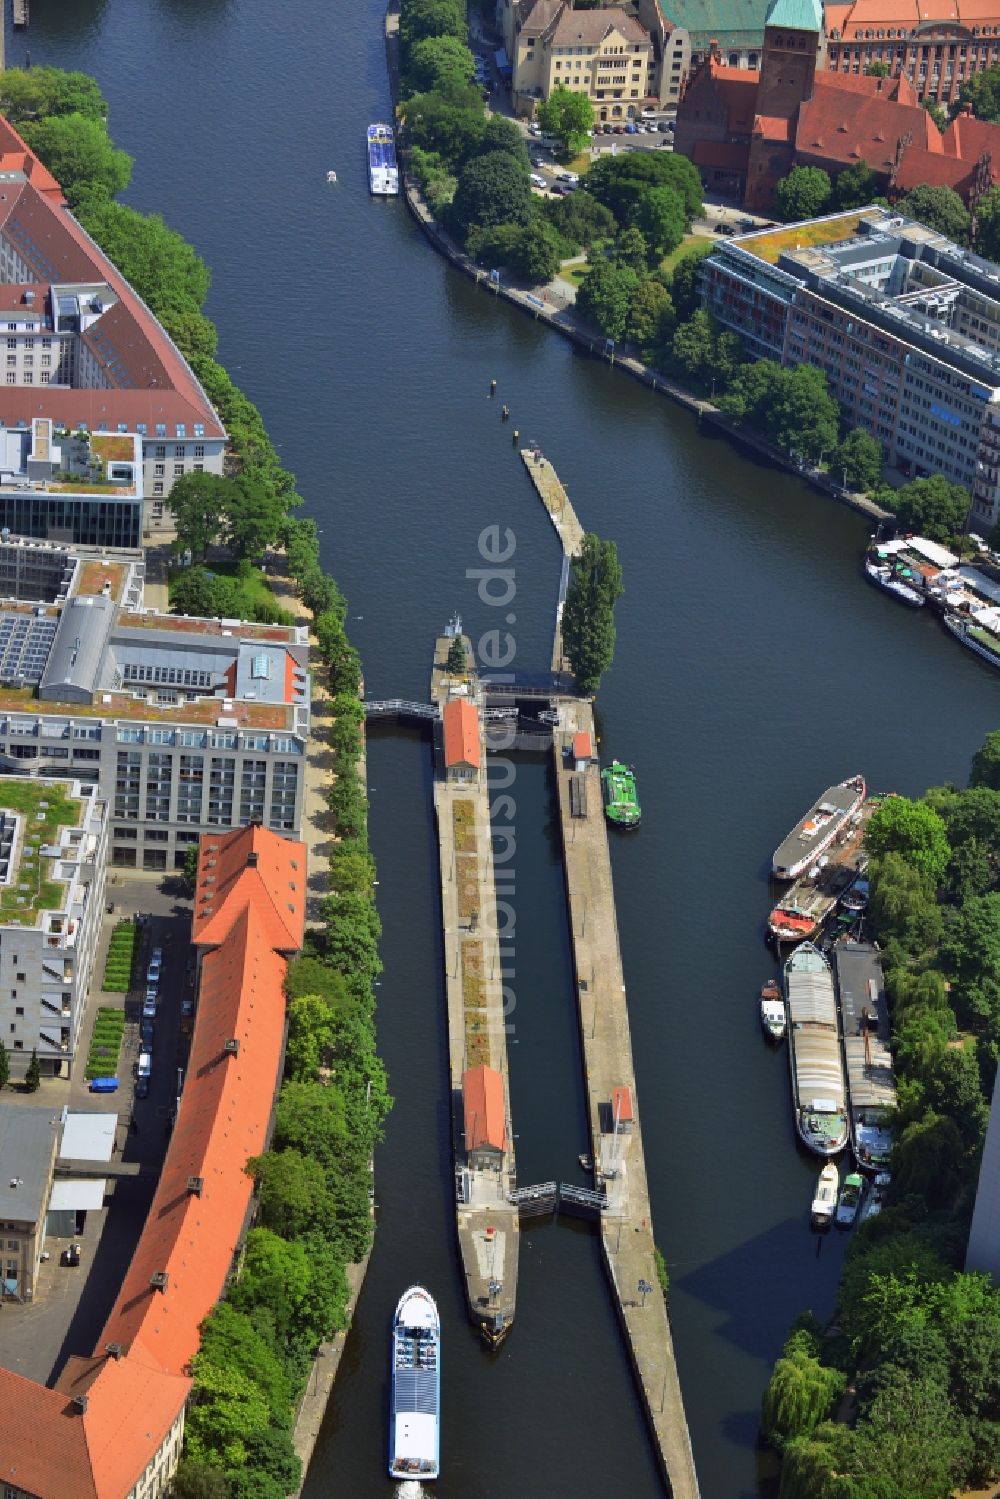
{"points": [[810, 833], [864, 1014], [487, 1223]]}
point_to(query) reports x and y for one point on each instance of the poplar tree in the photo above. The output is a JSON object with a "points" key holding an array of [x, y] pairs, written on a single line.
{"points": [[588, 622]]}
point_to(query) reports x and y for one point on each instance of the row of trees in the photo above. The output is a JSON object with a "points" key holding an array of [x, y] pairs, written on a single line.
{"points": [[588, 621], [915, 1337], [313, 1186]]}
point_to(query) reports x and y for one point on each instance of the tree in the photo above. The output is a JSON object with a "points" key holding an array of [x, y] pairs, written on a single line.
{"points": [[492, 189], [932, 507], [310, 1035], [877, 70], [971, 951], [885, 1284], [229, 1339], [988, 224], [79, 154], [568, 116], [985, 769], [911, 1442], [194, 1480], [190, 871], [858, 460], [631, 250], [938, 207], [803, 415], [660, 217], [684, 281], [451, 128], [457, 664], [936, 113], [535, 256], [812, 1465], [982, 91], [754, 387], [605, 298], [439, 63], [195, 592], [312, 1117], [270, 1453], [954, 1090], [501, 134], [200, 504], [804, 194], [424, 18], [856, 185], [33, 1076], [693, 348], [799, 1396], [254, 518], [622, 182], [588, 624], [913, 830], [228, 1410], [651, 316], [30, 93], [292, 1191], [579, 217]]}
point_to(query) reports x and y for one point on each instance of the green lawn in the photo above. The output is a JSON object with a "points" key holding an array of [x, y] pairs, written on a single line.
{"points": [[105, 1043], [121, 956], [669, 261], [575, 273]]}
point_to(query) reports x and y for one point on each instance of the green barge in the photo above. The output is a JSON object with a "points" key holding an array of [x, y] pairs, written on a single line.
{"points": [[621, 803]]}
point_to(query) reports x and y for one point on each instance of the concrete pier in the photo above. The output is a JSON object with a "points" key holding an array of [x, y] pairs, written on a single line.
{"points": [[568, 528], [616, 1132], [487, 1223]]}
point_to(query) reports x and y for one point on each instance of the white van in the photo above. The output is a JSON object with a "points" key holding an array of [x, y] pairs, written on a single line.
{"points": [[144, 1066]]}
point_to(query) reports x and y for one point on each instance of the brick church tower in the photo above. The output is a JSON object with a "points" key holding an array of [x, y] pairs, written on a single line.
{"points": [[794, 44]]}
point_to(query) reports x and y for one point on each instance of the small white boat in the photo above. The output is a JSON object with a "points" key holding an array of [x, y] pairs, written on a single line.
{"points": [[883, 576], [772, 1011], [331, 176], [825, 1200], [851, 1195]]}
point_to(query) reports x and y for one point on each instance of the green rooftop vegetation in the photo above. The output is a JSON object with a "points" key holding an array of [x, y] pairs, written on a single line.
{"points": [[985, 638], [45, 809], [105, 1043], [772, 246]]}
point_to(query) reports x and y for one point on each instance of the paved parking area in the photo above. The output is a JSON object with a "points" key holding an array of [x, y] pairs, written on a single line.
{"points": [[72, 1305]]}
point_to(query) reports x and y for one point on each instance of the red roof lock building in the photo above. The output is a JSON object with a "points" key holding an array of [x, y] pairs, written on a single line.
{"points": [[462, 756], [485, 1117], [622, 1116], [583, 750]]}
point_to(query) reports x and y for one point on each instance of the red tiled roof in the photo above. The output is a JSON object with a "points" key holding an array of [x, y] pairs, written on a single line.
{"points": [[844, 126], [621, 1105], [250, 867], [773, 127], [724, 156], [35, 221], [461, 733], [920, 168], [582, 748], [485, 1116], [221, 1123], [969, 138], [737, 89]]}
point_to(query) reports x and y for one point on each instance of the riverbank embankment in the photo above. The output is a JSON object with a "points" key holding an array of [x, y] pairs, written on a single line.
{"points": [[569, 530]]}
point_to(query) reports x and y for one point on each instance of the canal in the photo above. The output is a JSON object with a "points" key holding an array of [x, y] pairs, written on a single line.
{"points": [[753, 668]]}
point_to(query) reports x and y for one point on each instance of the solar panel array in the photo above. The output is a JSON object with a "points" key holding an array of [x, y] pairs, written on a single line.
{"points": [[25, 643]]}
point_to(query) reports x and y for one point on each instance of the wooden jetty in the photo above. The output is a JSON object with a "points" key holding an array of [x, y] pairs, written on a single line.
{"points": [[568, 529], [626, 1223], [485, 1175]]}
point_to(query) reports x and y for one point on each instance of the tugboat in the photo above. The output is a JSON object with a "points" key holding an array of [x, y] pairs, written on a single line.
{"points": [[415, 1398], [772, 1011], [621, 804]]}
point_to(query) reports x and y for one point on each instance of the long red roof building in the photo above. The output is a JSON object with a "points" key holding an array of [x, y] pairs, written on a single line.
{"points": [[118, 1415]]}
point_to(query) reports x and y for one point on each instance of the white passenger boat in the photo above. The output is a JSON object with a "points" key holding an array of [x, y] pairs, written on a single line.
{"points": [[884, 575], [383, 172], [415, 1398], [814, 833], [825, 1198]]}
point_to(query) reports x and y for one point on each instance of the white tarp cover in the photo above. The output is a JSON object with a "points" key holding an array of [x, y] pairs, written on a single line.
{"points": [[77, 1196], [940, 556], [88, 1137]]}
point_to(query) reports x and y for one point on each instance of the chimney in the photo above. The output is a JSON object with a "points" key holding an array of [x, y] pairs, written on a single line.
{"points": [[252, 859], [232, 1048], [158, 1280], [114, 1350], [80, 1401], [195, 1184]]}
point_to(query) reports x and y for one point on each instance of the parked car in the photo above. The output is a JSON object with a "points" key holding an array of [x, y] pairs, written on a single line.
{"points": [[664, 127], [146, 1032], [538, 181], [153, 973], [156, 956], [618, 129], [144, 1066], [569, 177], [537, 161], [534, 128], [187, 1008], [724, 229], [142, 1087], [561, 189], [631, 128], [649, 112], [607, 127]]}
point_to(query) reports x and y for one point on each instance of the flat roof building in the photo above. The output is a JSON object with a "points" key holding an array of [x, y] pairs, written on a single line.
{"points": [[28, 1140], [904, 323]]}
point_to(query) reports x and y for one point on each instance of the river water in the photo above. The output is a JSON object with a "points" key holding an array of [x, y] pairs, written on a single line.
{"points": [[753, 668]]}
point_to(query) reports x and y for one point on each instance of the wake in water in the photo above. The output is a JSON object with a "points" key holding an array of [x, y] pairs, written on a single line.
{"points": [[410, 1489]]}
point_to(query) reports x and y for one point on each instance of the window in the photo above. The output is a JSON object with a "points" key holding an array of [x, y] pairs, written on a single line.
{"points": [[159, 470], [260, 667], [29, 378], [178, 470], [12, 379], [29, 343], [180, 451], [161, 450], [45, 377], [158, 488], [12, 343], [199, 450]]}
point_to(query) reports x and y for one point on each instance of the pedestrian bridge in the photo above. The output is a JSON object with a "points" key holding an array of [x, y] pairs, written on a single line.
{"points": [[399, 710]]}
